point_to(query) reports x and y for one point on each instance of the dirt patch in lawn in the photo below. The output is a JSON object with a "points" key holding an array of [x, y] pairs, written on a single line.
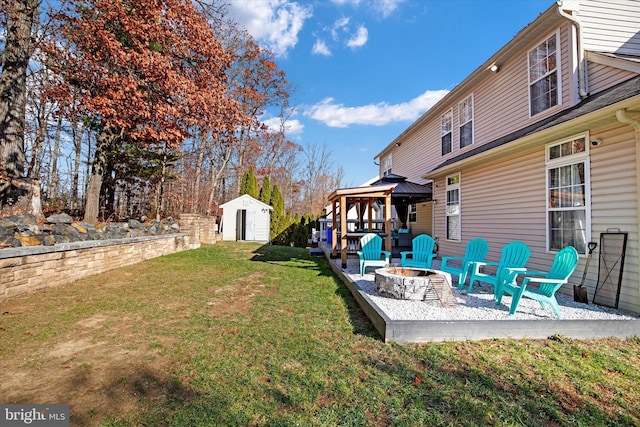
{"points": [[106, 363]]}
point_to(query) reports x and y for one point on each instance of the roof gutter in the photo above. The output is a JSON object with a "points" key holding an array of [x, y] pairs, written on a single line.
{"points": [[583, 84]]}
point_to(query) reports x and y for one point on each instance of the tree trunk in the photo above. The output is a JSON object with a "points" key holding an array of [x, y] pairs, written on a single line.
{"points": [[198, 178], [92, 206], [22, 20], [36, 161], [217, 174], [160, 206], [53, 174], [77, 146]]}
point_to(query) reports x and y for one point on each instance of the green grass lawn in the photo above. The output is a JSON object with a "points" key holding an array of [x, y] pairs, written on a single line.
{"points": [[247, 335]]}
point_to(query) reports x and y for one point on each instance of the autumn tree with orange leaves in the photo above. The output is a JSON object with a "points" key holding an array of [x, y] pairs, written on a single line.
{"points": [[146, 72]]}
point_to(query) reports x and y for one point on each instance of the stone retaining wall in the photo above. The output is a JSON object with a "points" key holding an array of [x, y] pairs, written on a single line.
{"points": [[32, 268], [201, 228]]}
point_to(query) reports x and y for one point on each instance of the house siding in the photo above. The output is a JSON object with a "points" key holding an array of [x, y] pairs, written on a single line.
{"points": [[501, 106], [602, 77], [503, 191], [502, 203], [424, 217], [610, 26], [501, 101], [420, 150], [614, 199]]}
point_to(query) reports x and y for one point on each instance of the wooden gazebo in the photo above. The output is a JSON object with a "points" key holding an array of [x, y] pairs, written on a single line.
{"points": [[341, 199], [390, 189]]}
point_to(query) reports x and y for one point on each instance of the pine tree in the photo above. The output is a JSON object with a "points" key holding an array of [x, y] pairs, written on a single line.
{"points": [[265, 191], [252, 184], [277, 217], [244, 184]]}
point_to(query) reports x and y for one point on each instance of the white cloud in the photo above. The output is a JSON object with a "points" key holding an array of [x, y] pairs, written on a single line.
{"points": [[294, 127], [383, 7], [341, 116], [340, 26], [342, 29], [291, 127], [386, 7], [341, 2], [321, 48], [359, 38], [273, 23]]}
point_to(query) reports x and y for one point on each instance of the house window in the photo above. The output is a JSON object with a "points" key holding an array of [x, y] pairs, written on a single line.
{"points": [[388, 162], [465, 110], [413, 213], [453, 207], [446, 126], [544, 74], [568, 201]]}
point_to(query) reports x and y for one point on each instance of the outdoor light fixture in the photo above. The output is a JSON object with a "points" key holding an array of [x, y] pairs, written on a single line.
{"points": [[494, 68], [398, 144]]}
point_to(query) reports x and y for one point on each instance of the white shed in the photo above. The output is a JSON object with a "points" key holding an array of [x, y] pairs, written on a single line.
{"points": [[246, 218]]}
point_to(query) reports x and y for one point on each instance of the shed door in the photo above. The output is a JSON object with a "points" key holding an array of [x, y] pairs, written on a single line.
{"points": [[240, 214], [250, 225], [245, 225]]}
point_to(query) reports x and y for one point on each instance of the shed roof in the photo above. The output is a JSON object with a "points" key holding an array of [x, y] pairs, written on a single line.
{"points": [[246, 196]]}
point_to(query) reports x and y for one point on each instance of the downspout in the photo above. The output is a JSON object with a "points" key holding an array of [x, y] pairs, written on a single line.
{"points": [[622, 117], [583, 84]]}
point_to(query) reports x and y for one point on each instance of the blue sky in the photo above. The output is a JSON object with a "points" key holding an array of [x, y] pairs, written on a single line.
{"points": [[364, 70]]}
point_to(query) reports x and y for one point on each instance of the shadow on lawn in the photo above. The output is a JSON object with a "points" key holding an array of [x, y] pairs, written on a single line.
{"points": [[143, 396], [301, 258], [292, 257]]}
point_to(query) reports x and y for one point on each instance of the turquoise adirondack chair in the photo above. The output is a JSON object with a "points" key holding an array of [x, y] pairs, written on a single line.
{"points": [[564, 264], [514, 254], [459, 265], [371, 253], [421, 254]]}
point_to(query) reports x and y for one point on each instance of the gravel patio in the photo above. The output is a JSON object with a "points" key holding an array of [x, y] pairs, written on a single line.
{"points": [[476, 315]]}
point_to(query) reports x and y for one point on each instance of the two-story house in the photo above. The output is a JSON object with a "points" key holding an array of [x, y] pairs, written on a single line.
{"points": [[539, 144]]}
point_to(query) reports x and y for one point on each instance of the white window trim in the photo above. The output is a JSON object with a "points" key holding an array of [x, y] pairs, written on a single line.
{"points": [[388, 164], [470, 98], [450, 187], [442, 134], [558, 70], [565, 161], [412, 210]]}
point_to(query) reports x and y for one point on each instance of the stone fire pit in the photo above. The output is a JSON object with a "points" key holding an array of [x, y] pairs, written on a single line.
{"points": [[415, 284]]}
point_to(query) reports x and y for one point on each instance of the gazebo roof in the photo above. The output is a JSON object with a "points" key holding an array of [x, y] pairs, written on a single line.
{"points": [[405, 191], [370, 191], [402, 191]]}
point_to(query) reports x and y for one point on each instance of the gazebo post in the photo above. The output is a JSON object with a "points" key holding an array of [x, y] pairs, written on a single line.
{"points": [[334, 232], [387, 221], [343, 230]]}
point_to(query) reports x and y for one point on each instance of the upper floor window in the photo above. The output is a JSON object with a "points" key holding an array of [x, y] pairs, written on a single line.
{"points": [[568, 202], [388, 163], [413, 212], [453, 207], [446, 130], [544, 74], [465, 113]]}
